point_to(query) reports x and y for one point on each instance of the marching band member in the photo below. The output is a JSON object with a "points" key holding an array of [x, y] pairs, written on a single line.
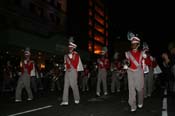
{"points": [[135, 72], [85, 78], [148, 71], [103, 65], [116, 67], [73, 64], [24, 79]]}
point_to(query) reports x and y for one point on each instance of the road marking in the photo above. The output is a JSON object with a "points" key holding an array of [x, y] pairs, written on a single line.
{"points": [[164, 113], [28, 111], [164, 105], [165, 92], [95, 99]]}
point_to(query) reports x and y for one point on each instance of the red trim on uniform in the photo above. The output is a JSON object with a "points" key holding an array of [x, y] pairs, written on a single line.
{"points": [[105, 63], [74, 60], [28, 66], [136, 55]]}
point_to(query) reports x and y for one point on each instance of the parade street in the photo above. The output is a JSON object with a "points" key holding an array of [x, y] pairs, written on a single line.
{"points": [[90, 105]]}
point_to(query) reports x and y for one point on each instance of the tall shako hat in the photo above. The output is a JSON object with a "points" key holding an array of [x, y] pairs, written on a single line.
{"points": [[133, 38], [71, 42], [27, 52], [145, 46]]}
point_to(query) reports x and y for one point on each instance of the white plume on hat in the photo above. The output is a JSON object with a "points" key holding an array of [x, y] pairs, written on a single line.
{"points": [[133, 38], [27, 51], [71, 44], [104, 50], [130, 35], [145, 46]]}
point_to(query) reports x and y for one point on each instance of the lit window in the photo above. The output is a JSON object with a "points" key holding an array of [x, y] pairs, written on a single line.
{"points": [[99, 10], [99, 38], [99, 28], [42, 66], [99, 19], [90, 47], [97, 49]]}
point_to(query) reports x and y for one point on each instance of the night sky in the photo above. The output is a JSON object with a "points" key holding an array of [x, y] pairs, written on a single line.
{"points": [[152, 21]]}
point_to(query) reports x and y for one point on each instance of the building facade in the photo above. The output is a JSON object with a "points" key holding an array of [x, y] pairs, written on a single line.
{"points": [[90, 24], [38, 24]]}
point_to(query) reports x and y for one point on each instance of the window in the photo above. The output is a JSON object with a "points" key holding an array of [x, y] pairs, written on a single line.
{"points": [[90, 46], [99, 10], [99, 38], [97, 49], [99, 28], [99, 19]]}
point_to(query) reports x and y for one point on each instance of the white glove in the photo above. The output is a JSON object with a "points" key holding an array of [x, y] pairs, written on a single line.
{"points": [[125, 67]]}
